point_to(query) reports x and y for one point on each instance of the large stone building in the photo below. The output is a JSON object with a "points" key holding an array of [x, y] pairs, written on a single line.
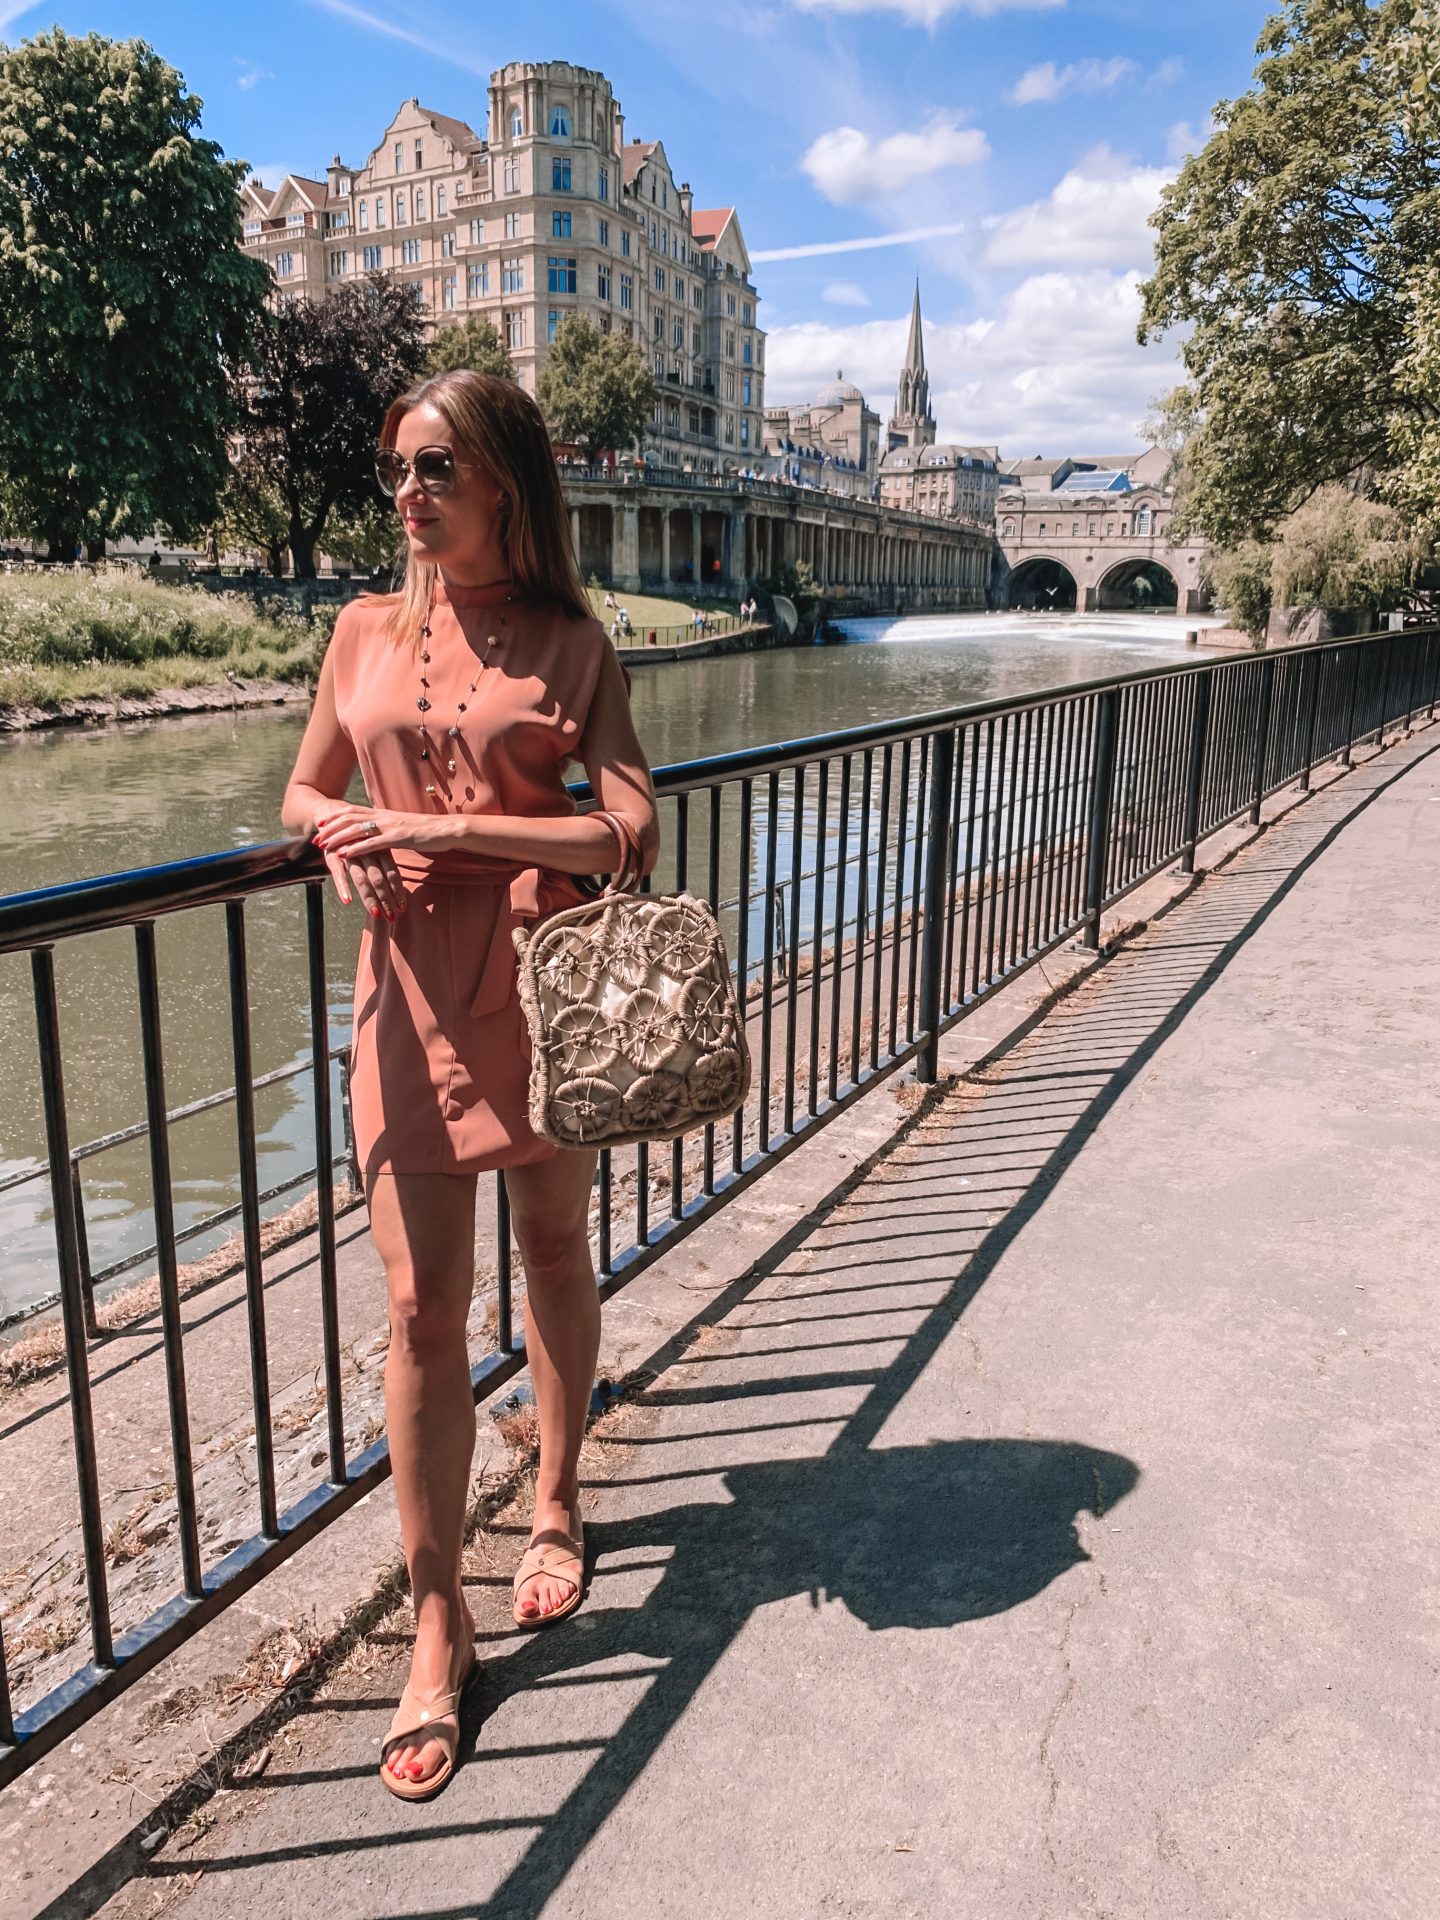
{"points": [[832, 442], [1094, 533], [920, 473], [550, 211]]}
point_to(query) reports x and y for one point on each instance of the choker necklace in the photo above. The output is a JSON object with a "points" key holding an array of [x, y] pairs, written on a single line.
{"points": [[423, 703]]}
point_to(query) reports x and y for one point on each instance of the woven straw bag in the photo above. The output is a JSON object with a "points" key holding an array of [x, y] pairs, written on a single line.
{"points": [[634, 1027]]}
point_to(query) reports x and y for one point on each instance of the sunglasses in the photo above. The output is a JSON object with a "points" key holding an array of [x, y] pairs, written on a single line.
{"points": [[433, 467]]}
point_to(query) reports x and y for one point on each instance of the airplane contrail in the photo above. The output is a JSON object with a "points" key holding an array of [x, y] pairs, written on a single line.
{"points": [[809, 252]]}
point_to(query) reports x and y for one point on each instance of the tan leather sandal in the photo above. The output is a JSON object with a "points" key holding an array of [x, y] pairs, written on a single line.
{"points": [[565, 1561], [435, 1719]]}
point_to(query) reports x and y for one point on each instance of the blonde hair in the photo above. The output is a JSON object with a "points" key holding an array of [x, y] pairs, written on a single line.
{"points": [[498, 426]]}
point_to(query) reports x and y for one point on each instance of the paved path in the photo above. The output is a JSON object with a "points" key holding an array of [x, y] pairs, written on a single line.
{"points": [[1048, 1528]]}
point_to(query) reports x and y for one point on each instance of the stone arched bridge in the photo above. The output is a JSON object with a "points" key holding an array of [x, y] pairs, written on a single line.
{"points": [[1095, 552]]}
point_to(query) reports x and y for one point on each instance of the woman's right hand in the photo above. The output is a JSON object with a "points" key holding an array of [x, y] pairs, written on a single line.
{"points": [[375, 876]]}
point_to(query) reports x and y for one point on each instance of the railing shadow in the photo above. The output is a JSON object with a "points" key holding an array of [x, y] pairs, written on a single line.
{"points": [[926, 1536]]}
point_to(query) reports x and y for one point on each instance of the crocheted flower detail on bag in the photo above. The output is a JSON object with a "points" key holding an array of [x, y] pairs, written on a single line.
{"points": [[582, 1040], [679, 941], [647, 1031], [623, 944], [714, 1081], [571, 964], [656, 1100], [704, 1009], [584, 1109]]}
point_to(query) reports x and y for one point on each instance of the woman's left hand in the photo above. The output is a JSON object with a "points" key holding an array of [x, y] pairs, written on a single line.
{"points": [[355, 830]]}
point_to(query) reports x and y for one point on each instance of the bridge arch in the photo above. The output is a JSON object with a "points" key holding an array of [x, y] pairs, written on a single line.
{"points": [[1041, 584], [1135, 585]]}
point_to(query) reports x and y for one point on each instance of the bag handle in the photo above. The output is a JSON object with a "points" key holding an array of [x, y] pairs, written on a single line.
{"points": [[627, 876]]}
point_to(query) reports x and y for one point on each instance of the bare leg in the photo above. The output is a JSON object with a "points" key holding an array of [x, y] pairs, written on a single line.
{"points": [[550, 1202], [423, 1225]]}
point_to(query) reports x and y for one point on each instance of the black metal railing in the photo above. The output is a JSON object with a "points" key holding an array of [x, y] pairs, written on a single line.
{"points": [[873, 885]]}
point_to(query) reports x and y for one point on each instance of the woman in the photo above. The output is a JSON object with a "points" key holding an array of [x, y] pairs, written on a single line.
{"points": [[461, 697]]}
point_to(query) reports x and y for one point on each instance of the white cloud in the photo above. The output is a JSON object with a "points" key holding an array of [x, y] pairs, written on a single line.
{"points": [[1048, 82], [813, 249], [845, 293], [847, 166], [373, 23], [1167, 73], [1096, 216], [929, 13], [251, 77], [1185, 138], [1055, 369], [12, 10]]}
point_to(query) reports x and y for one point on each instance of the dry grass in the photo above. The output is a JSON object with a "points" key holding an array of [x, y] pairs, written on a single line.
{"points": [[129, 1536]]}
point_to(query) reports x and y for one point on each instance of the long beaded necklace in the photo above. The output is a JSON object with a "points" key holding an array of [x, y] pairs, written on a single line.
{"points": [[423, 703]]}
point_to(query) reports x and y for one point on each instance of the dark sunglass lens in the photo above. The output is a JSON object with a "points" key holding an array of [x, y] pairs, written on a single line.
{"points": [[389, 471], [435, 469]]}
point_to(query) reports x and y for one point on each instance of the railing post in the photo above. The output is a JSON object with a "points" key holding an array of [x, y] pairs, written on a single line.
{"points": [[1347, 750], [1433, 645], [937, 870], [1262, 736], [82, 1249], [1195, 778], [1312, 715], [1384, 697], [1102, 784]]}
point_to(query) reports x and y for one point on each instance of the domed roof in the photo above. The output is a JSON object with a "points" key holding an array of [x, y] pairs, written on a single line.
{"points": [[837, 393]]}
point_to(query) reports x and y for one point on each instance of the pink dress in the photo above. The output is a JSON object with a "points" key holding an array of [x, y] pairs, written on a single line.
{"points": [[440, 1055]]}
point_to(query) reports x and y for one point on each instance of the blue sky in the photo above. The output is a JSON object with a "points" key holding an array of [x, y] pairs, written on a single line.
{"points": [[1018, 144]]}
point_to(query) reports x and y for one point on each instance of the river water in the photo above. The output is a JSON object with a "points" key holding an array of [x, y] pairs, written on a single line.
{"points": [[84, 803]]}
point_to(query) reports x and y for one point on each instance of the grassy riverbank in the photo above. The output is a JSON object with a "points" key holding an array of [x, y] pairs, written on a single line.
{"points": [[114, 635]]}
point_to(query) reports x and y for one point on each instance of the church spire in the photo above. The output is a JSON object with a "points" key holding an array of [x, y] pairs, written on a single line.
{"points": [[912, 424]]}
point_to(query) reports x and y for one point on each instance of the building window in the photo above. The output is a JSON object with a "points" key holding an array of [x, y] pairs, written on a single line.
{"points": [[747, 314], [730, 305], [627, 291], [560, 226], [602, 282], [512, 226], [399, 209], [625, 245], [477, 279], [745, 390], [449, 291], [659, 279], [697, 298], [559, 123], [560, 174], [284, 264], [373, 259], [729, 431], [477, 233], [603, 188], [664, 193], [419, 155], [410, 253], [512, 275], [419, 203], [679, 335], [447, 246], [562, 273], [604, 234], [364, 216], [653, 241], [744, 432], [729, 383], [399, 157], [747, 354], [657, 325], [512, 176], [729, 344], [340, 262], [679, 289], [296, 220], [552, 322], [692, 419], [1042, 529], [659, 375], [1142, 520], [517, 124], [1074, 529], [515, 328], [251, 226], [439, 203], [695, 337]]}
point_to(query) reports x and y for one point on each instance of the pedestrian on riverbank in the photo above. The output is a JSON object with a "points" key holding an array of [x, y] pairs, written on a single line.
{"points": [[461, 697]]}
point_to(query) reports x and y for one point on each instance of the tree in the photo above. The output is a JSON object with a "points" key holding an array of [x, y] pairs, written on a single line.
{"points": [[368, 538], [595, 390], [473, 345], [123, 292], [1337, 550], [314, 398], [253, 513], [1297, 248]]}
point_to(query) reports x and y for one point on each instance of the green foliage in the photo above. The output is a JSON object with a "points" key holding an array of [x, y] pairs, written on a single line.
{"points": [[1338, 550], [472, 344], [595, 390], [367, 538], [123, 291], [312, 404], [253, 514], [1297, 248], [117, 632], [798, 584]]}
